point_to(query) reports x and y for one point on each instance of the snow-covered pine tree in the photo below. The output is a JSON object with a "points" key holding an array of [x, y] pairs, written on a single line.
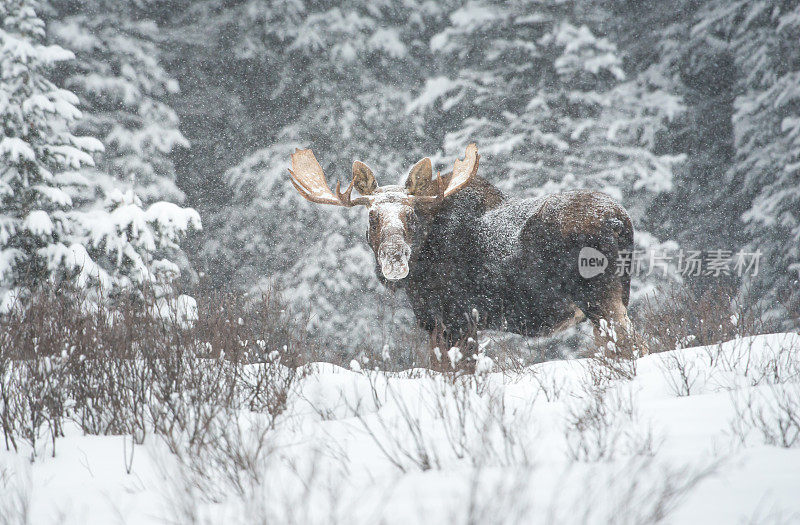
{"points": [[338, 76], [548, 103], [739, 63], [118, 76], [763, 39], [50, 226], [699, 213], [127, 240], [40, 156]]}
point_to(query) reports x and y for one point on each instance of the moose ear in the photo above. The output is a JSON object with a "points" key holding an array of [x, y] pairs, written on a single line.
{"points": [[420, 178], [363, 179]]}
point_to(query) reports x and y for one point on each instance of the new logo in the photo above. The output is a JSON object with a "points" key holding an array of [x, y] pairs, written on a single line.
{"points": [[591, 262]]}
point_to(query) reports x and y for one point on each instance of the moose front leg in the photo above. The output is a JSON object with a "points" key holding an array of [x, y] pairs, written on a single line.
{"points": [[453, 349]]}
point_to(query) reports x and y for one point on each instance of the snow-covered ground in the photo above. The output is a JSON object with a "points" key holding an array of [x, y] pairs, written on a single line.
{"points": [[700, 435]]}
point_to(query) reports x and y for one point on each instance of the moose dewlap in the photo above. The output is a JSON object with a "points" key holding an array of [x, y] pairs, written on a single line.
{"points": [[472, 258]]}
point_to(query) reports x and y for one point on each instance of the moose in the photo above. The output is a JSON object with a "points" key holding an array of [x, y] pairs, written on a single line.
{"points": [[471, 258]]}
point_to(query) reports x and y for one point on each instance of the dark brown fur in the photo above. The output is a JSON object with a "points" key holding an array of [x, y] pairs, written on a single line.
{"points": [[514, 262]]}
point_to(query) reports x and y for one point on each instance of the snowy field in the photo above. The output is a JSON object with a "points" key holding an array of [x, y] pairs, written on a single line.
{"points": [[700, 435]]}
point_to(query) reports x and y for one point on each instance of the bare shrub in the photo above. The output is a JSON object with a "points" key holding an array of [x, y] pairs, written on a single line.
{"points": [[311, 491], [772, 515], [409, 347], [123, 367], [551, 384], [603, 423], [450, 418], [400, 439], [229, 457], [35, 351], [248, 328], [608, 366], [216, 416], [777, 366], [515, 353], [506, 500], [34, 394], [677, 316], [639, 491], [771, 411], [615, 358], [753, 362], [681, 373], [15, 497]]}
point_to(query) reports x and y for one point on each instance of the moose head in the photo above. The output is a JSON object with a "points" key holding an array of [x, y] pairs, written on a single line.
{"points": [[396, 213]]}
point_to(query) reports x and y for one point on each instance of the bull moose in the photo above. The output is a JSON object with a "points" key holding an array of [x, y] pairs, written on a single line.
{"points": [[471, 258]]}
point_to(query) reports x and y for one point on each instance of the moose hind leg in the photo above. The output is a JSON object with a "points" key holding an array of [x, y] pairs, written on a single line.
{"points": [[613, 330], [612, 327]]}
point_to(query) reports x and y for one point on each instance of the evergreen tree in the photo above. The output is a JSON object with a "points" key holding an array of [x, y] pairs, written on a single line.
{"points": [[548, 103], [123, 86], [662, 48], [40, 156], [335, 77], [50, 224], [738, 66], [763, 38]]}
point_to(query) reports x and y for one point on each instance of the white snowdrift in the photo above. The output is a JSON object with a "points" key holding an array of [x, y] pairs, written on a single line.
{"points": [[546, 445]]}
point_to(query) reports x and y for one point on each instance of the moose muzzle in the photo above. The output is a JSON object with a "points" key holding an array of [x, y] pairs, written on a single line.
{"points": [[393, 255]]}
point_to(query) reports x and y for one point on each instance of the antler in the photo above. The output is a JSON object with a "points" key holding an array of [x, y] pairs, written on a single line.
{"points": [[463, 172], [309, 180]]}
